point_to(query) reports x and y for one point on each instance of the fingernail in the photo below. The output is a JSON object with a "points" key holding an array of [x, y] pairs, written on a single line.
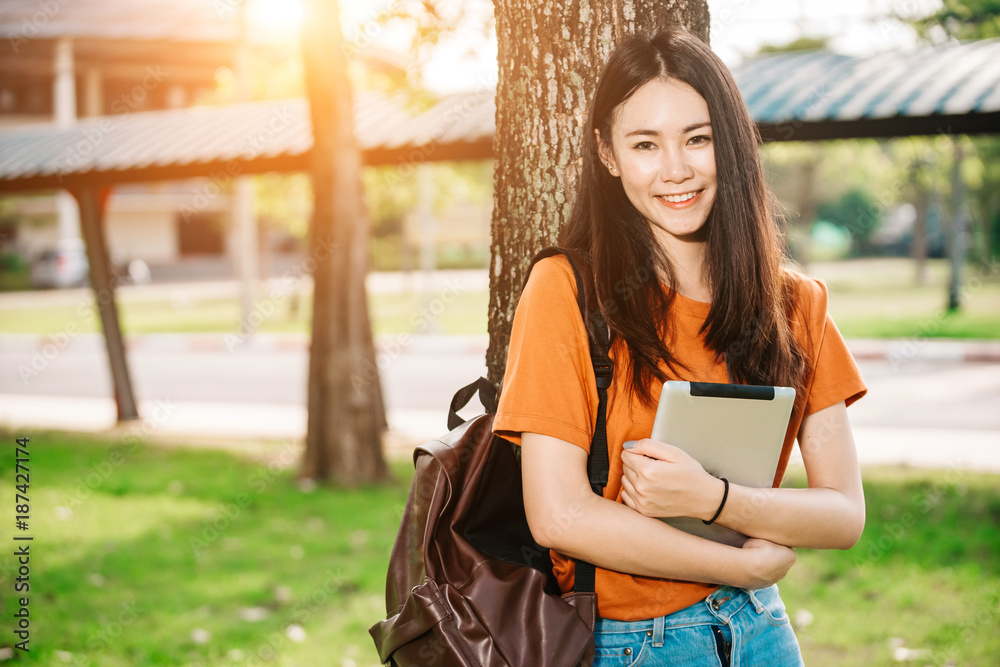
{"points": [[629, 444]]}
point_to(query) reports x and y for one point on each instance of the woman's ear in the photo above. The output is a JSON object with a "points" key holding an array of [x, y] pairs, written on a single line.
{"points": [[605, 154]]}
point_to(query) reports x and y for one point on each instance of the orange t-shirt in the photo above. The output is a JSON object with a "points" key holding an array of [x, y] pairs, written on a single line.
{"points": [[549, 388]]}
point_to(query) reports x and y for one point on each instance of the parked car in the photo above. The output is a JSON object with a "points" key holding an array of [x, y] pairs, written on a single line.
{"points": [[64, 265]]}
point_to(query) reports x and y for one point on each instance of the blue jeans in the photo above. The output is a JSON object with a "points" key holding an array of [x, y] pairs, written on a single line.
{"points": [[732, 626]]}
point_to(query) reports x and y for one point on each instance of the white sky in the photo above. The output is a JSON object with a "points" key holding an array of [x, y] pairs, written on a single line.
{"points": [[739, 28]]}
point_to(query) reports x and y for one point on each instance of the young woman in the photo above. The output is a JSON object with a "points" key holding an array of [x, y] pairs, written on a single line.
{"points": [[677, 240]]}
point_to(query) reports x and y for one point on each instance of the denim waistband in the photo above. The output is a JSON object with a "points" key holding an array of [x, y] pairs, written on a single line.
{"points": [[717, 608], [749, 620]]}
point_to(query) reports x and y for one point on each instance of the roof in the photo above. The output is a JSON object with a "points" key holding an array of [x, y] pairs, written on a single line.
{"points": [[793, 96], [953, 88], [143, 20], [252, 137]]}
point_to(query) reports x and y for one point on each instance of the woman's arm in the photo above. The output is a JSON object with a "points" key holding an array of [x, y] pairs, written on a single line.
{"points": [[661, 480], [566, 515]]}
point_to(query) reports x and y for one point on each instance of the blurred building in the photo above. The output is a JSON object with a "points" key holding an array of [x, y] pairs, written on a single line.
{"points": [[69, 59]]}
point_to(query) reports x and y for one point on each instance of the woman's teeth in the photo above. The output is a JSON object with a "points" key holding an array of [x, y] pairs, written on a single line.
{"points": [[678, 198]]}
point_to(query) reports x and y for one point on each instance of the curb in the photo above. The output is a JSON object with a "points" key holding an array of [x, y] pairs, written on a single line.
{"points": [[895, 351], [925, 349]]}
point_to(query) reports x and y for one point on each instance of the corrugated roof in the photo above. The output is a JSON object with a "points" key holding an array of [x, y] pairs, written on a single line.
{"points": [[246, 138], [793, 96], [821, 95], [144, 20]]}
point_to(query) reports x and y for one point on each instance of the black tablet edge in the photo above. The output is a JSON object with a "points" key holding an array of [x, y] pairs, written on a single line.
{"points": [[754, 392]]}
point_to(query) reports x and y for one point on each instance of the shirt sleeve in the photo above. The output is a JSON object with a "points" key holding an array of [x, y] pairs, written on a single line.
{"points": [[548, 384], [835, 376]]}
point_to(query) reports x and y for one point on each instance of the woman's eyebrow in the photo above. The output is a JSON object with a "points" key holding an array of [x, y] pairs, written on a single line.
{"points": [[652, 133], [656, 133], [696, 126]]}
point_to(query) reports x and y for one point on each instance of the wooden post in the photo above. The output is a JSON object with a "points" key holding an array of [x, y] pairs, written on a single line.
{"points": [[244, 217], [428, 238], [922, 204], [92, 202], [957, 246]]}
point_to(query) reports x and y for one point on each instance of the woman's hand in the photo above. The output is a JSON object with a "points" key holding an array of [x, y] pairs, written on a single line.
{"points": [[661, 480], [564, 514], [766, 562]]}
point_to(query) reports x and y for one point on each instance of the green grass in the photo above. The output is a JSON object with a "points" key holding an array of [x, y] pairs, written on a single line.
{"points": [[878, 298], [462, 313], [186, 539], [870, 298], [925, 574], [147, 526]]}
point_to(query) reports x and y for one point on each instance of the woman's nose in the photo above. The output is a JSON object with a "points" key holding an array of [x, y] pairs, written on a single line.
{"points": [[675, 167]]}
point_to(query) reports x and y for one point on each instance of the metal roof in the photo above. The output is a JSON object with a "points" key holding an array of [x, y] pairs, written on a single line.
{"points": [[953, 88], [252, 137], [142, 20], [793, 96]]}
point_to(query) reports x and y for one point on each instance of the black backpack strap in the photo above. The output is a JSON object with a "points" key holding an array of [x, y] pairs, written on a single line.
{"points": [[487, 396], [598, 464]]}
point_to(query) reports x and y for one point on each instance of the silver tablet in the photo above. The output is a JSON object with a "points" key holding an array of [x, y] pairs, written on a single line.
{"points": [[735, 431]]}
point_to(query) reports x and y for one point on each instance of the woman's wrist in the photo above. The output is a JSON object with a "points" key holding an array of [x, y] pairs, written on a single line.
{"points": [[712, 498]]}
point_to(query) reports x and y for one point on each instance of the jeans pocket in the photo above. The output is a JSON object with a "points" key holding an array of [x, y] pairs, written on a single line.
{"points": [[774, 606], [620, 649]]}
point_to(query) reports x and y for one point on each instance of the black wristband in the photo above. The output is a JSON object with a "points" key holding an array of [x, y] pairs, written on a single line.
{"points": [[725, 494]]}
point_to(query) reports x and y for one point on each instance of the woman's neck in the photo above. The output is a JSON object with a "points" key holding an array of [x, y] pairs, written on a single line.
{"points": [[690, 269]]}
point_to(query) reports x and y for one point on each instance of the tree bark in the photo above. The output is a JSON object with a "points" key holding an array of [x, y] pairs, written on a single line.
{"points": [[808, 206], [346, 417], [549, 58]]}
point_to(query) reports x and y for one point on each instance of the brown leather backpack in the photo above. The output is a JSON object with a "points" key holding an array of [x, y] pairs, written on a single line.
{"points": [[467, 584]]}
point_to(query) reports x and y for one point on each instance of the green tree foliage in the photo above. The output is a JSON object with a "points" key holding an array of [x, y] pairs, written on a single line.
{"points": [[967, 20], [961, 19], [284, 203], [800, 44], [856, 212]]}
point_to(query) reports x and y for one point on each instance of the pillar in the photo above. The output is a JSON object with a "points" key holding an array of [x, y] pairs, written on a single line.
{"points": [[92, 202]]}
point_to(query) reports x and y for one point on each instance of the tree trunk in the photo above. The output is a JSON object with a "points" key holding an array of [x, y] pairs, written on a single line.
{"points": [[549, 58], [346, 414], [808, 207], [922, 205]]}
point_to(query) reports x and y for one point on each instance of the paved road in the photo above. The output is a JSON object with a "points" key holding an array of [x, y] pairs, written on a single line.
{"points": [[927, 412], [424, 375]]}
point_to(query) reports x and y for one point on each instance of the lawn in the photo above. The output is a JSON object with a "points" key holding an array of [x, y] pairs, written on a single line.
{"points": [[877, 298], [151, 555], [870, 298], [461, 313]]}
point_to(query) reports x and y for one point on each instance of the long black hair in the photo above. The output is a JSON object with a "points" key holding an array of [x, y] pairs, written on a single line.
{"points": [[752, 296]]}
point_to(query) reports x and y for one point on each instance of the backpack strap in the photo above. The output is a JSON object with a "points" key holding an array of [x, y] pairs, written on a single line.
{"points": [[598, 337], [487, 396]]}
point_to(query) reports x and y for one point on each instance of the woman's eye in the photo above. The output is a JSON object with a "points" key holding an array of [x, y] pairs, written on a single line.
{"points": [[700, 139], [644, 145]]}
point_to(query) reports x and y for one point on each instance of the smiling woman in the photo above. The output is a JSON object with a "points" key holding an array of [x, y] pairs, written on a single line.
{"points": [[682, 262]]}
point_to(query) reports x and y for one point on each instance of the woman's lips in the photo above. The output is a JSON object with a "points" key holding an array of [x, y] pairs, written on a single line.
{"points": [[680, 204]]}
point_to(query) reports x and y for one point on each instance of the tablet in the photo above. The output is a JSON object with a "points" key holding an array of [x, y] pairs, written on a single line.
{"points": [[735, 431]]}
